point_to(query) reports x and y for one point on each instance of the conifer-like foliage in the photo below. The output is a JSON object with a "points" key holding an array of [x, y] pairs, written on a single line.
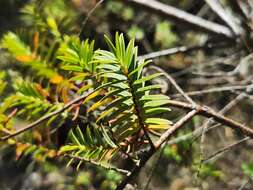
{"points": [[74, 92], [118, 114], [125, 111]]}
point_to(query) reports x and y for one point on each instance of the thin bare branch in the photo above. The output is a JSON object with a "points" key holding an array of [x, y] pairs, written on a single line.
{"points": [[182, 17], [206, 124], [174, 83], [174, 128], [225, 149], [214, 90], [244, 184], [182, 49], [151, 151], [210, 113], [170, 51], [222, 13], [202, 110], [87, 18]]}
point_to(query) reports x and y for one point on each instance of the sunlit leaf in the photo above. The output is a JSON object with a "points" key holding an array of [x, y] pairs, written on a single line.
{"points": [[72, 68], [156, 103], [148, 88], [158, 110], [108, 139], [147, 78], [158, 121], [92, 95], [157, 127], [56, 79]]}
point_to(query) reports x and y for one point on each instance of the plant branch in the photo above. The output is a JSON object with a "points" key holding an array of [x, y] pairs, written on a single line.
{"points": [[165, 136], [197, 132], [87, 18], [182, 49], [221, 12], [170, 51], [210, 113], [197, 109], [214, 90], [138, 113], [108, 167], [44, 118], [204, 127], [202, 110], [151, 151], [225, 149], [58, 154], [182, 17], [174, 83]]}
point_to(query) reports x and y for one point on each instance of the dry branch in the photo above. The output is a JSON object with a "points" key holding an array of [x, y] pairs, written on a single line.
{"points": [[225, 149], [182, 17], [171, 51], [214, 90], [194, 109], [150, 152], [208, 112], [222, 13], [202, 110]]}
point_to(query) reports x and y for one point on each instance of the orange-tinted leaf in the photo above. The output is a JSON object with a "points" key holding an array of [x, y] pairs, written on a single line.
{"points": [[37, 136], [92, 95], [104, 114], [20, 148], [51, 153], [25, 58], [99, 103], [84, 88], [41, 90], [39, 158], [56, 79], [35, 42]]}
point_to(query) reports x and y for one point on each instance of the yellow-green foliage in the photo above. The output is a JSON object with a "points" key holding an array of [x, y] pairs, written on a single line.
{"points": [[119, 105]]}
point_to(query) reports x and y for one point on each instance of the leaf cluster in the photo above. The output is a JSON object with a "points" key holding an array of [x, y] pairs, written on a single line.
{"points": [[123, 105], [120, 113]]}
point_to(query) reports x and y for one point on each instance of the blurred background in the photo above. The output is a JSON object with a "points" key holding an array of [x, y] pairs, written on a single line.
{"points": [[204, 71]]}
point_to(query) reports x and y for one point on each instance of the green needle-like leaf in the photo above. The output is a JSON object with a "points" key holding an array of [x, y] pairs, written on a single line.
{"points": [[147, 78], [158, 121]]}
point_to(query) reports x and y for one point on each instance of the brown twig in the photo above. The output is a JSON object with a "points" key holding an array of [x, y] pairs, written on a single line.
{"points": [[210, 113], [201, 110], [182, 49], [174, 128], [206, 124], [158, 144], [197, 132], [244, 184]]}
